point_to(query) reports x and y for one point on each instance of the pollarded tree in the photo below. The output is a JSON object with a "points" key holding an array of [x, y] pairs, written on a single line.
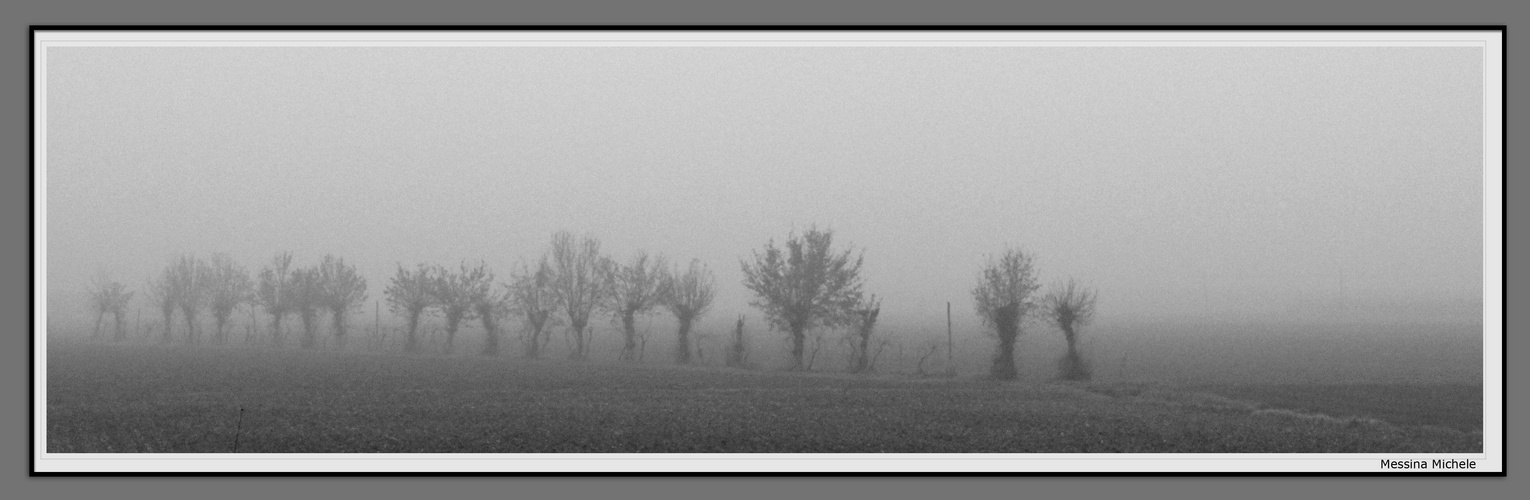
{"points": [[860, 336], [228, 286], [687, 295], [272, 292], [1071, 306], [108, 296], [306, 294], [409, 294], [581, 279], [164, 294], [805, 285], [455, 294], [635, 289], [1003, 299], [488, 304], [342, 290], [192, 279], [533, 296]]}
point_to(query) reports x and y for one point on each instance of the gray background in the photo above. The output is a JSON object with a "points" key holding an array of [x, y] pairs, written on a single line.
{"points": [[1230, 182], [18, 17]]}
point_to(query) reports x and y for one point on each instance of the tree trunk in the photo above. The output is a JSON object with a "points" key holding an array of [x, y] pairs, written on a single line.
{"points": [[413, 343], [339, 317], [579, 347], [164, 337], [121, 332], [191, 326], [683, 342], [533, 347], [99, 317], [491, 336], [219, 337], [1007, 321], [1004, 360], [1072, 364], [861, 355], [452, 321], [799, 338], [629, 329], [1072, 342]]}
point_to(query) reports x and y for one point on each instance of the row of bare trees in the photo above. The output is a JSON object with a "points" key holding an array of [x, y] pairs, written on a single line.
{"points": [[332, 287], [571, 283], [219, 285], [465, 294], [190, 284], [802, 285]]}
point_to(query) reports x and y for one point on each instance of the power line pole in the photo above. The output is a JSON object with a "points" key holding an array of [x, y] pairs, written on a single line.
{"points": [[950, 344]]}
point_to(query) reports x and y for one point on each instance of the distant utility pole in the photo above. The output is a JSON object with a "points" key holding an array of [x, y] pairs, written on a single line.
{"points": [[950, 344]]}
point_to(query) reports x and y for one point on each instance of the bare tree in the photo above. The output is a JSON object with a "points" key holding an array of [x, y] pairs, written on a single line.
{"points": [[272, 292], [635, 289], [306, 293], [108, 296], [165, 295], [409, 294], [738, 352], [456, 295], [582, 283], [341, 290], [1071, 306], [804, 285], [192, 278], [459, 294], [860, 336], [228, 286], [1003, 298], [533, 296], [687, 294], [488, 304]]}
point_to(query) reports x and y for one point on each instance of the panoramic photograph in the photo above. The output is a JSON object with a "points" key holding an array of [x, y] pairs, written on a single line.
{"points": [[670, 249]]}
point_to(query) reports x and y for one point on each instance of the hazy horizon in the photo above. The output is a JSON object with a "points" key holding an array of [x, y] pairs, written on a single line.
{"points": [[1179, 182]]}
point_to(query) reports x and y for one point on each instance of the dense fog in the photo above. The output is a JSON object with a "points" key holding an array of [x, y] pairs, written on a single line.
{"points": [[1342, 185]]}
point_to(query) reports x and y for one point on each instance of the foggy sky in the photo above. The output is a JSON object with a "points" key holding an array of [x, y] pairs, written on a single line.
{"points": [[1175, 180]]}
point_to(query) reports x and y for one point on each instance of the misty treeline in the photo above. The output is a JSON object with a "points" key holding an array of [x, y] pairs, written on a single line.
{"points": [[804, 286]]}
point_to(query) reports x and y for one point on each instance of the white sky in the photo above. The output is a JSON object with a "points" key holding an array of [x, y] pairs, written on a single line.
{"points": [[1175, 180]]}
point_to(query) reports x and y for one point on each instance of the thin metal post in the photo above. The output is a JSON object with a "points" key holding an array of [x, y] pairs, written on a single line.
{"points": [[950, 344]]}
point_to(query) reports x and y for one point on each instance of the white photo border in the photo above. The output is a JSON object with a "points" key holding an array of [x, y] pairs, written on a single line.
{"points": [[1491, 460]]}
